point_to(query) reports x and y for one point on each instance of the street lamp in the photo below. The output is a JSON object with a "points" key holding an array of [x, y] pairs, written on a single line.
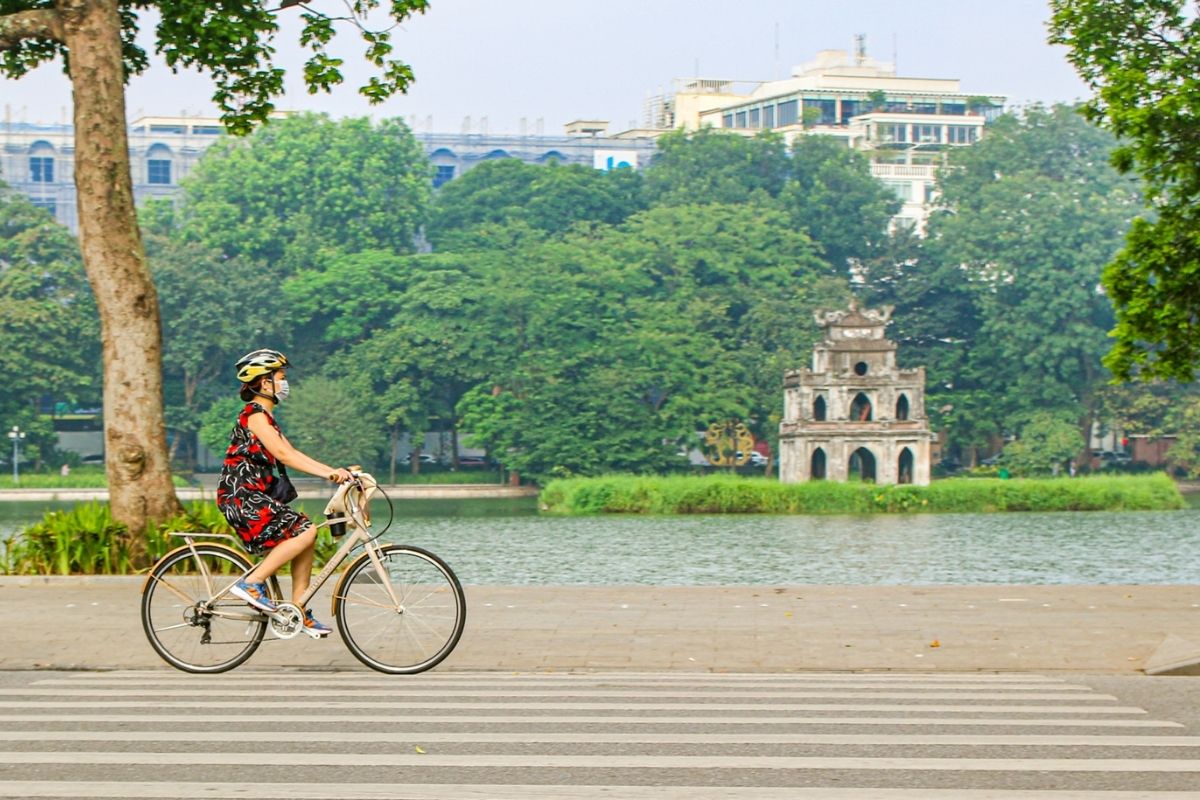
{"points": [[16, 434]]}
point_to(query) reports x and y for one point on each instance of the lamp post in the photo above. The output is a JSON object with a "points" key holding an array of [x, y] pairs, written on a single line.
{"points": [[16, 434]]}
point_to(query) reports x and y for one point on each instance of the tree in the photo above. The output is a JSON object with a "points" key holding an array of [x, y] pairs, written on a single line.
{"points": [[710, 166], [1047, 442], [47, 316], [549, 199], [334, 420], [305, 184], [98, 42], [199, 290], [833, 196], [1142, 58]]}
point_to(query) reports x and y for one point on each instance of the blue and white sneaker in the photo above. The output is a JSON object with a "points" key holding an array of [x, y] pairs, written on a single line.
{"points": [[311, 623], [255, 594]]}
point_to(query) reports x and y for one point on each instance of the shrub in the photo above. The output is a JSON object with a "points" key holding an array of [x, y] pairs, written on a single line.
{"points": [[722, 494]]}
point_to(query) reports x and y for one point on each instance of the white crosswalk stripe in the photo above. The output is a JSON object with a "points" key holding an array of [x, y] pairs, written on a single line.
{"points": [[583, 736]]}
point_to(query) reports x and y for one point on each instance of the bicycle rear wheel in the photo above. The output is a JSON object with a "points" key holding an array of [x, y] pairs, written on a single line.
{"points": [[185, 626], [406, 630]]}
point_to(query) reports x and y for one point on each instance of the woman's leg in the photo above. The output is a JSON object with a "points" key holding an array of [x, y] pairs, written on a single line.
{"points": [[284, 552], [302, 570]]}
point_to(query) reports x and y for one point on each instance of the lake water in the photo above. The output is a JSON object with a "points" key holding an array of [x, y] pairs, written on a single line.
{"points": [[507, 542]]}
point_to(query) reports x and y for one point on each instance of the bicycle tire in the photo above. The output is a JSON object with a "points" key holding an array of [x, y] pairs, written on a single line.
{"points": [[414, 637], [175, 628]]}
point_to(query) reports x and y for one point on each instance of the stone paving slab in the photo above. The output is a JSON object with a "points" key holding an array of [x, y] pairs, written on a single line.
{"points": [[93, 623]]}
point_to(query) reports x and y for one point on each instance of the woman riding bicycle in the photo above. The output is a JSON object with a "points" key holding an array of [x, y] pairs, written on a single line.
{"points": [[248, 493]]}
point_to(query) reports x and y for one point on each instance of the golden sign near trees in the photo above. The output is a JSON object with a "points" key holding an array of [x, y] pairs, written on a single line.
{"points": [[728, 444]]}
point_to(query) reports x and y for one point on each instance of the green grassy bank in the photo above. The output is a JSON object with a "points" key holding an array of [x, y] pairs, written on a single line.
{"points": [[629, 494]]}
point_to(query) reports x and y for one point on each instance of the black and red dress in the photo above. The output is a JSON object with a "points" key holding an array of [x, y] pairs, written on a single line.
{"points": [[248, 472]]}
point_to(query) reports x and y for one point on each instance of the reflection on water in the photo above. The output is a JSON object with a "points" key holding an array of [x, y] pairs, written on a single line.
{"points": [[506, 542]]}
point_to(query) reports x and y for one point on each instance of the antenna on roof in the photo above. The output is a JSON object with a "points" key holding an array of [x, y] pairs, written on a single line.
{"points": [[860, 49]]}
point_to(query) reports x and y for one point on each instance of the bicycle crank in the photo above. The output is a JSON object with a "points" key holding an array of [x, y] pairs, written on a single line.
{"points": [[287, 621]]}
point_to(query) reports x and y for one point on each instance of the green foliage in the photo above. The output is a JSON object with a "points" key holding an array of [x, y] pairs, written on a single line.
{"points": [[306, 184], [834, 198], [1142, 57], [625, 494], [234, 42], [198, 290], [1001, 301], [86, 540], [333, 422], [88, 477], [548, 199], [709, 166], [1184, 421], [1047, 442], [48, 321]]}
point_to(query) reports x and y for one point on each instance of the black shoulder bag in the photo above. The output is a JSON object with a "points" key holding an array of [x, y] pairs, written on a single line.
{"points": [[282, 489]]}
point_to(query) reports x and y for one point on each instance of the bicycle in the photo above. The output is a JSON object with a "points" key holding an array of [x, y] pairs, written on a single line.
{"points": [[399, 609]]}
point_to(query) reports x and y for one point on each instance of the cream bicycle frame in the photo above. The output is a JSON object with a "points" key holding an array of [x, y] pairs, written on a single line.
{"points": [[348, 500]]}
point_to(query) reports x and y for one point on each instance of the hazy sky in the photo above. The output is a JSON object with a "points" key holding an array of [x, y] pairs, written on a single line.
{"points": [[559, 60]]}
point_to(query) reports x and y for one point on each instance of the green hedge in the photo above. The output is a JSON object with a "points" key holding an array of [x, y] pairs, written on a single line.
{"points": [[631, 494]]}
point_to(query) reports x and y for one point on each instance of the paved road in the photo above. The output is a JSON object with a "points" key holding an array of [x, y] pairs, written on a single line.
{"points": [[94, 623], [510, 736]]}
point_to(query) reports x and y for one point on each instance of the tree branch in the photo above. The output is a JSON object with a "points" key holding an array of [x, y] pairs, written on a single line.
{"points": [[40, 23]]}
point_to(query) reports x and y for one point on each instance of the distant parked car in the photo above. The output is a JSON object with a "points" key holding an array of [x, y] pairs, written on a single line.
{"points": [[992, 461], [471, 462], [425, 458], [94, 458]]}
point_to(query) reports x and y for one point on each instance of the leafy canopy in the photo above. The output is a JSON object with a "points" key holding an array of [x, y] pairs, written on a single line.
{"points": [[1142, 57], [233, 41]]}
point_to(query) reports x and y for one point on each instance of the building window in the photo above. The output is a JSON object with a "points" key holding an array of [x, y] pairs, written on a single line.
{"points": [[739, 119], [960, 134], [902, 189], [176, 130], [206, 130], [927, 134], [892, 132], [852, 108], [824, 111], [902, 407], [769, 117], [48, 203], [755, 117], [819, 409], [41, 169], [158, 171], [789, 113], [443, 173], [727, 121]]}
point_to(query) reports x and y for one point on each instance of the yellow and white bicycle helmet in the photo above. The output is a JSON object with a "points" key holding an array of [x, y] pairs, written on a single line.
{"points": [[260, 362]]}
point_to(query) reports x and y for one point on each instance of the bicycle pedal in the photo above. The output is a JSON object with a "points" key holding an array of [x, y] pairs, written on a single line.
{"points": [[316, 634]]}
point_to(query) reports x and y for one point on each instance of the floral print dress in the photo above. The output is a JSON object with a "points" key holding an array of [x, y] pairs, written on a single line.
{"points": [[247, 475]]}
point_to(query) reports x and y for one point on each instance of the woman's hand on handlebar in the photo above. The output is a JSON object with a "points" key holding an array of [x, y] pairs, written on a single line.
{"points": [[341, 475]]}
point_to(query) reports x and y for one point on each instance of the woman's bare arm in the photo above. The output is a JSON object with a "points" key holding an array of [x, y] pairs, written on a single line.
{"points": [[283, 450]]}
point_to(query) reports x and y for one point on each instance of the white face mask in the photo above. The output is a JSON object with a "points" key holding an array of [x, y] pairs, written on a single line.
{"points": [[281, 390]]}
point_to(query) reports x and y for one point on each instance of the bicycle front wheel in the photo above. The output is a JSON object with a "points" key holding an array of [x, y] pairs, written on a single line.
{"points": [[405, 619], [185, 626]]}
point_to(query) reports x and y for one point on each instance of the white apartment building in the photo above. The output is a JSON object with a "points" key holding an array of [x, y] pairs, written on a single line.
{"points": [[905, 125]]}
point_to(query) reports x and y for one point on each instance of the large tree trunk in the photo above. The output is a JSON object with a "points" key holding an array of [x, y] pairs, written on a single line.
{"points": [[139, 474]]}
